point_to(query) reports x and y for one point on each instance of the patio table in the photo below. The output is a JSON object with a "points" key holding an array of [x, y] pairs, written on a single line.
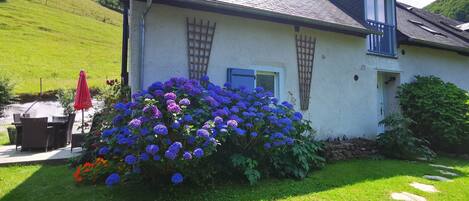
{"points": [[60, 138]]}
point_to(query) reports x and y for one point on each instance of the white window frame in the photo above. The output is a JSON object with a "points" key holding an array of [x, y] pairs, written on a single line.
{"points": [[279, 81]]}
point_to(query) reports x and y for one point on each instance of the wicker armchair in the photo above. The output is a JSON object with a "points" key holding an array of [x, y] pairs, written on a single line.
{"points": [[36, 134]]}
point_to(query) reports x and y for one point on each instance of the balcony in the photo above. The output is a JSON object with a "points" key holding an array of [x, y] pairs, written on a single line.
{"points": [[382, 44]]}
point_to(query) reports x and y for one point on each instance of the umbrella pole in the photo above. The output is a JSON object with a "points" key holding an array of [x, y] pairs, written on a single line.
{"points": [[82, 121]]}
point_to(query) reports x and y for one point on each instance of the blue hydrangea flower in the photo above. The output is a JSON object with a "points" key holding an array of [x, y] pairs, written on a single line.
{"points": [[240, 131], [175, 147], [267, 145], [187, 155], [170, 155], [160, 129], [254, 134], [152, 149], [203, 133], [177, 178], [103, 151], [130, 159], [176, 125], [198, 153], [188, 118], [112, 179], [156, 157], [144, 157]]}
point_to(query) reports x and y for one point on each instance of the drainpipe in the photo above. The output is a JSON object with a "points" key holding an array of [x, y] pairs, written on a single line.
{"points": [[125, 44], [142, 40]]}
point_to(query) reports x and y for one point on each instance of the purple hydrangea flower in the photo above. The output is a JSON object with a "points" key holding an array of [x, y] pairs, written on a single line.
{"points": [[160, 129], [232, 123], [198, 153], [187, 155], [177, 178], [174, 108], [152, 149], [153, 111], [130, 159], [218, 120], [203, 133], [170, 96], [135, 123], [112, 179], [185, 102]]}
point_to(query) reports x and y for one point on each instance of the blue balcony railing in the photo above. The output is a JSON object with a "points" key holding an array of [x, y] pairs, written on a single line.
{"points": [[383, 44]]}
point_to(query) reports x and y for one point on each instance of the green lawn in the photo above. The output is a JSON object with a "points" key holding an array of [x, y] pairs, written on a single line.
{"points": [[350, 180], [54, 41], [4, 138]]}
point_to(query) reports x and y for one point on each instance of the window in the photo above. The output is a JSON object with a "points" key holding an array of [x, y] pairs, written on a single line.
{"points": [[268, 81], [376, 10], [268, 78], [426, 28]]}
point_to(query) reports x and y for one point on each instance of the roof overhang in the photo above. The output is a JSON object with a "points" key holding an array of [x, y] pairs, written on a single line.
{"points": [[415, 41], [259, 14]]}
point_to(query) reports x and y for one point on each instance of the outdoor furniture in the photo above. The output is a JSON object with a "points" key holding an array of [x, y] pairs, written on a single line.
{"points": [[19, 130], [36, 134], [59, 118], [77, 141], [70, 122], [56, 127]]}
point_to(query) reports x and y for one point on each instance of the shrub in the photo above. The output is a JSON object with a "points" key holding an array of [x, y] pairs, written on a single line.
{"points": [[66, 99], [6, 93], [185, 130], [440, 111], [398, 140]]}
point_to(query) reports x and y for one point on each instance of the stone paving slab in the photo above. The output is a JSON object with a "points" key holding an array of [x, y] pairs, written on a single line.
{"points": [[8, 155], [437, 178], [424, 187], [448, 173], [442, 166], [405, 196]]}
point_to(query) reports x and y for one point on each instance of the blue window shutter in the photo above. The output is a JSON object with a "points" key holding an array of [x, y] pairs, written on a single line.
{"points": [[241, 77]]}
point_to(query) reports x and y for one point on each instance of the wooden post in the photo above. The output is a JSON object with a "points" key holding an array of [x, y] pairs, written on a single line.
{"points": [[40, 86]]}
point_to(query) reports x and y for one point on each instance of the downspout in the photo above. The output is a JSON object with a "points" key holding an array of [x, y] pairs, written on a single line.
{"points": [[142, 40], [125, 45]]}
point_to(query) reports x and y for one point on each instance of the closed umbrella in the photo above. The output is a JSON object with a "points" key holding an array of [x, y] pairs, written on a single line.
{"points": [[82, 98]]}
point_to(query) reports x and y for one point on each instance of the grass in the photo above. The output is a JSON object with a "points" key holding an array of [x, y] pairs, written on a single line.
{"points": [[4, 140], [348, 180], [54, 41]]}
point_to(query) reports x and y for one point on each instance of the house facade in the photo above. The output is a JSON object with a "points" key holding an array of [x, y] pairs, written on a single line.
{"points": [[339, 62]]}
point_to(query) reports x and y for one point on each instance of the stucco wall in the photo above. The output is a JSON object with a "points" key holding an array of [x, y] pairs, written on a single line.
{"points": [[449, 66], [339, 106]]}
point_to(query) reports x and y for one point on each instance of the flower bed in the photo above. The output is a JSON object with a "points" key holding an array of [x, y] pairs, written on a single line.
{"points": [[182, 128]]}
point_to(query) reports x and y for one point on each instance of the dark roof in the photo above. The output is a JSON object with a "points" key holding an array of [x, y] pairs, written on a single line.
{"points": [[317, 13], [422, 27]]}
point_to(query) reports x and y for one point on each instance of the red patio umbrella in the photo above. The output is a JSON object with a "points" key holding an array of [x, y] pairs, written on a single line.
{"points": [[82, 98]]}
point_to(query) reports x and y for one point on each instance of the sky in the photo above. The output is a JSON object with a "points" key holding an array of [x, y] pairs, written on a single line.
{"points": [[417, 3]]}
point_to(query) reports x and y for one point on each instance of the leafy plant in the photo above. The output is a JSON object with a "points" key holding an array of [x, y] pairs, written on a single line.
{"points": [[247, 166], [440, 111], [6, 93], [398, 140], [66, 98]]}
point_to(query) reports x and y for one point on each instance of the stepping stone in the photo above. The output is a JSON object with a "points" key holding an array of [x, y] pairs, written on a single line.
{"points": [[404, 196], [448, 173], [437, 178], [442, 166], [424, 187]]}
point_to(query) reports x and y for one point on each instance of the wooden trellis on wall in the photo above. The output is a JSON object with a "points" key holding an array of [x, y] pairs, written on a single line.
{"points": [[305, 46], [199, 45]]}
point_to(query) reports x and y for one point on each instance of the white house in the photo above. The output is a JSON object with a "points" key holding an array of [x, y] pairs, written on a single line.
{"points": [[338, 61]]}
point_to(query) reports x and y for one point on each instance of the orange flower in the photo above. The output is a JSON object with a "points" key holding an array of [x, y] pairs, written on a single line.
{"points": [[77, 175]]}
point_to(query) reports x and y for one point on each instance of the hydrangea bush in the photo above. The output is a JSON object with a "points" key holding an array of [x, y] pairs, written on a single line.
{"points": [[184, 126]]}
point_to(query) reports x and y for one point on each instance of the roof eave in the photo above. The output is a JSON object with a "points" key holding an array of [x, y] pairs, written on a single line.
{"points": [[458, 49], [288, 19]]}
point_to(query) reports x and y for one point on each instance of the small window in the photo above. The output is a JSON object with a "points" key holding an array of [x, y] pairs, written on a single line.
{"points": [[268, 81], [426, 28]]}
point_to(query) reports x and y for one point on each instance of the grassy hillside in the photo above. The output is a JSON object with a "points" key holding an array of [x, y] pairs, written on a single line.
{"points": [[455, 9], [54, 41]]}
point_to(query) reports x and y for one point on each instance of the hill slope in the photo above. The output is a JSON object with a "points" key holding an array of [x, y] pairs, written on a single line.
{"points": [[54, 41], [455, 9]]}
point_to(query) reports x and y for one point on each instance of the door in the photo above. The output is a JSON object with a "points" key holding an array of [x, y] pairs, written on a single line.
{"points": [[380, 100]]}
